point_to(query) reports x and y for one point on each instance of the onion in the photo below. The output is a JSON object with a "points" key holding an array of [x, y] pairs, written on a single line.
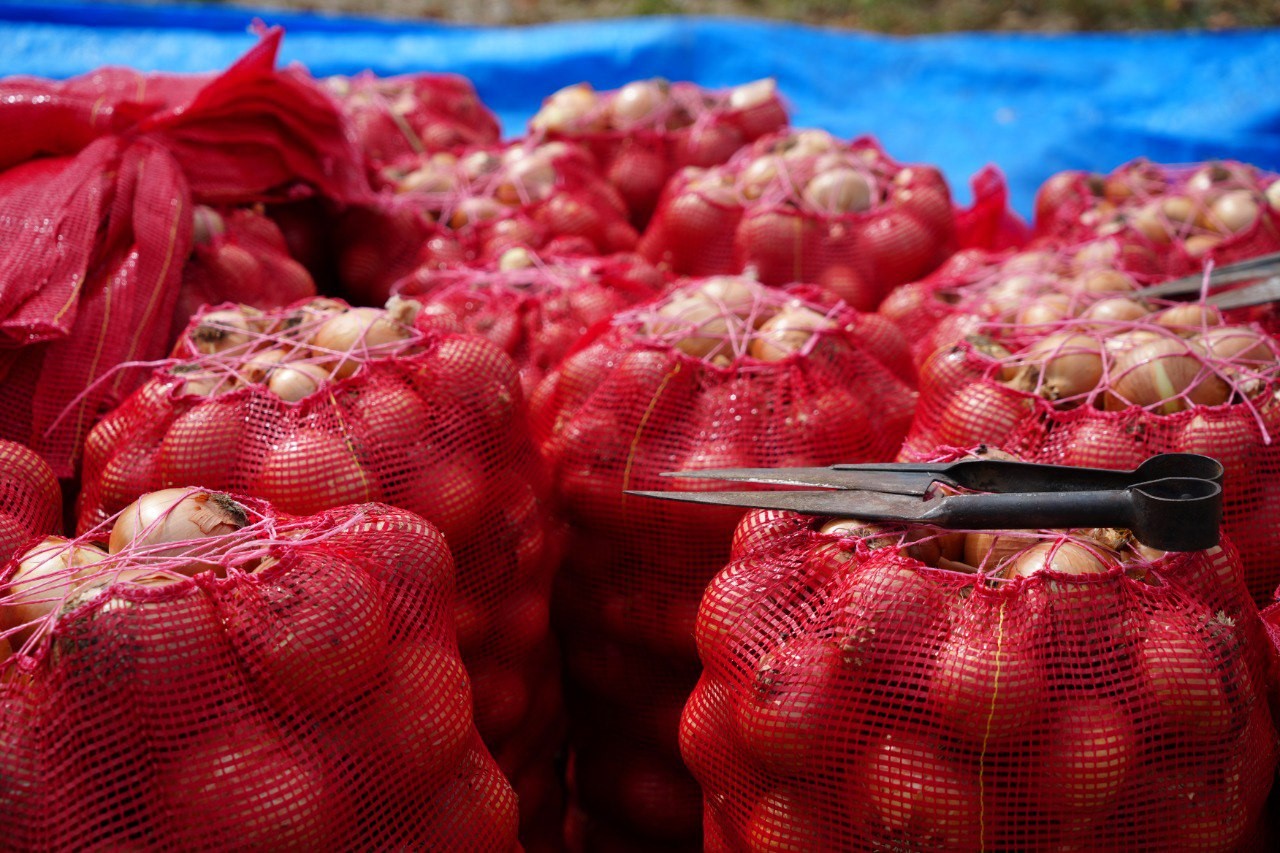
{"points": [[1189, 316], [1155, 375], [1272, 195], [1198, 245], [786, 332], [1184, 676], [1064, 365], [357, 331], [804, 143], [989, 551], [1240, 345], [981, 411], [255, 368], [427, 178], [1065, 557], [311, 471], [1087, 762], [1208, 179], [180, 516], [1115, 309], [690, 315], [735, 294], [46, 575], [517, 258], [873, 534], [475, 209], [1047, 310], [294, 382], [758, 174], [637, 101], [530, 179], [566, 110], [1004, 300], [1158, 220], [1104, 281], [838, 191], [1234, 212], [753, 94], [207, 224], [478, 164], [219, 331]]}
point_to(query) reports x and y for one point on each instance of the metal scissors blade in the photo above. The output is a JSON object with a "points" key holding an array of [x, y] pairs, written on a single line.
{"points": [[1257, 267], [981, 475], [1172, 514]]}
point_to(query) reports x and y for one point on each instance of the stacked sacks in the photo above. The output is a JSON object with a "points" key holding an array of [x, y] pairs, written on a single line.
{"points": [[320, 405], [865, 687], [205, 669], [718, 372]]}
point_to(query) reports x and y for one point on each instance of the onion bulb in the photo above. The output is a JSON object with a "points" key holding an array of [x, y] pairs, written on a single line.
{"points": [[207, 224], [1234, 212], [185, 517], [475, 209], [753, 94], [872, 534], [47, 573], [989, 551], [256, 367], [838, 191], [1154, 375], [1064, 557], [1160, 219], [566, 110], [517, 258], [357, 331], [637, 101], [758, 174], [294, 382], [1238, 344], [704, 326], [219, 331], [786, 332], [1190, 316], [1047, 310], [734, 294], [1115, 309], [1199, 245], [1064, 365], [805, 143], [1104, 281], [1272, 195], [529, 179]]}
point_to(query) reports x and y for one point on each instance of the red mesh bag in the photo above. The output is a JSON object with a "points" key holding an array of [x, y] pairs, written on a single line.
{"points": [[30, 501], [802, 206], [318, 406], [989, 223], [392, 117], [233, 677], [855, 696], [976, 288], [534, 306], [476, 204], [99, 290], [684, 382], [1112, 394], [648, 130], [238, 256], [1186, 214]]}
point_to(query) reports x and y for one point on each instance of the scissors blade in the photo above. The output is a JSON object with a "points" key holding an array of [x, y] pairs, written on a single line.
{"points": [[868, 506], [901, 481], [1256, 294], [1258, 267]]}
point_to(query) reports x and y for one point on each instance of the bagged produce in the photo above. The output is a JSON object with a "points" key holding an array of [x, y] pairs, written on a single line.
{"points": [[319, 406], [535, 306], [30, 500], [804, 206], [1110, 393], [391, 117], [646, 131], [865, 688], [1190, 214], [717, 372], [204, 672], [119, 173], [472, 205]]}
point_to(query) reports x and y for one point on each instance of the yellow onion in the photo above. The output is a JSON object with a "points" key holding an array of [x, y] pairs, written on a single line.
{"points": [[705, 326], [1065, 557], [357, 331], [805, 143], [1154, 374], [735, 294], [529, 179], [256, 367], [758, 174], [294, 382], [1189, 317], [1116, 308], [753, 94], [517, 258], [47, 573], [567, 110], [1239, 344], [1103, 281], [1064, 365], [1272, 195], [637, 101], [223, 330], [873, 534], [838, 191], [427, 178], [474, 209], [1198, 245], [1234, 212], [1047, 310], [1007, 296], [185, 517], [786, 332], [477, 164], [989, 551], [1158, 220]]}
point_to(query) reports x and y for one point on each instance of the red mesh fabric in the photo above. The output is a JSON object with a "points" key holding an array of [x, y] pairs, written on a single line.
{"points": [[239, 256], [855, 698], [98, 290], [989, 223], [471, 206], [392, 117], [30, 499], [626, 406], [964, 402], [752, 215], [647, 131], [435, 426], [534, 312], [300, 687], [1176, 211]]}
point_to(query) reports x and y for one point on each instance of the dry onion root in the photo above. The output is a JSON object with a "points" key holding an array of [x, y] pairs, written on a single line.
{"points": [[292, 352], [724, 318]]}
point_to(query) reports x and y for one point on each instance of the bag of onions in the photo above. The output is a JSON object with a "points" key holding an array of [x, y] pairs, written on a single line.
{"points": [[804, 206], [974, 288], [718, 372], [205, 672], [30, 500], [1110, 393], [319, 406], [1189, 214], [878, 686], [533, 305], [484, 200], [646, 131], [392, 117]]}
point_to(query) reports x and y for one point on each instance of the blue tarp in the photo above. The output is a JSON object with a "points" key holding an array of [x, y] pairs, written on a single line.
{"points": [[1032, 104]]}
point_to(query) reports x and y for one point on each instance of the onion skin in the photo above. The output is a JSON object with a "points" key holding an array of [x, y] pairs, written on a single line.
{"points": [[47, 574], [295, 382], [1154, 376], [177, 515], [1069, 365], [1062, 557], [990, 551], [1093, 747], [786, 333]]}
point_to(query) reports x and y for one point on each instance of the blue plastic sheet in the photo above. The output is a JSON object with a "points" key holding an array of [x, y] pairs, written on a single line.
{"points": [[1032, 104]]}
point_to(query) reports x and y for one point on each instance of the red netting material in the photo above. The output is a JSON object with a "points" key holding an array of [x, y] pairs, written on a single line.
{"points": [[968, 397], [674, 385], [98, 291], [1188, 214], [645, 132], [802, 206], [391, 117], [238, 256], [430, 422], [30, 499], [302, 689], [472, 205], [854, 698], [534, 306]]}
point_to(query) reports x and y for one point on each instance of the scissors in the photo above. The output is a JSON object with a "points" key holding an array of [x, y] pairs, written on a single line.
{"points": [[1266, 267], [1172, 501]]}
